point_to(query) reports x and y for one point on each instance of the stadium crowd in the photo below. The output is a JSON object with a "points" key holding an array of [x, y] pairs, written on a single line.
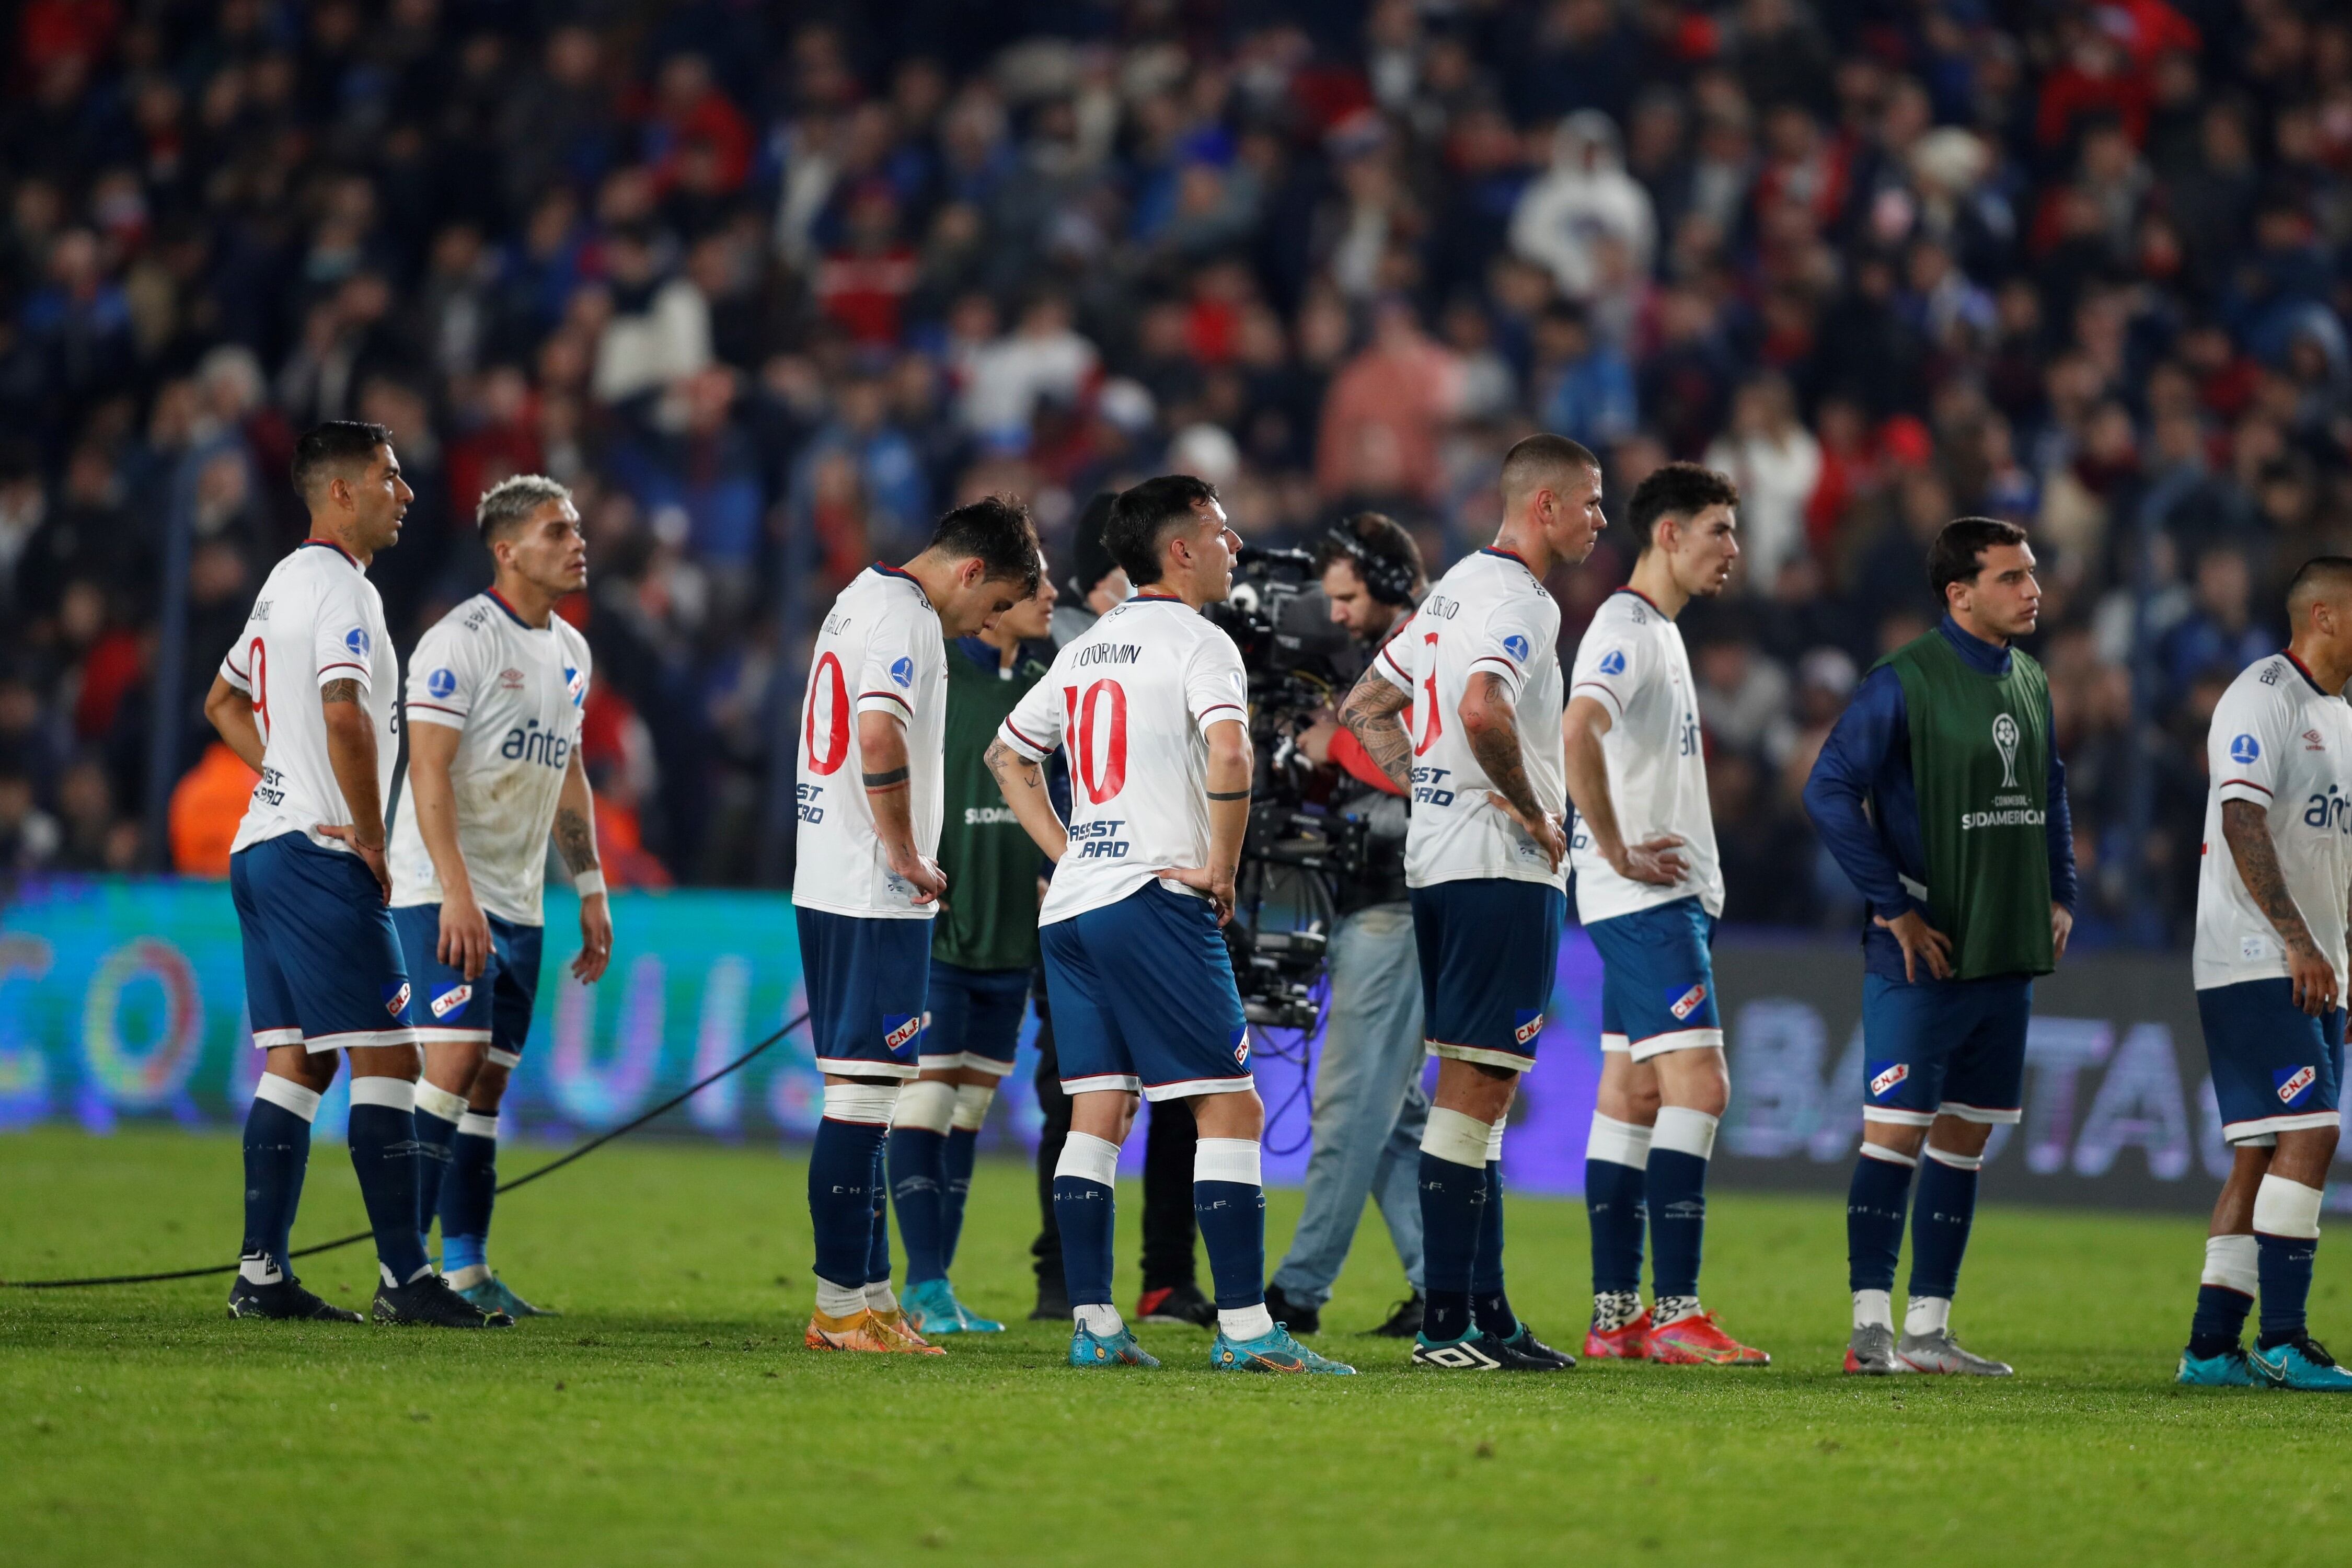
{"points": [[770, 285]]}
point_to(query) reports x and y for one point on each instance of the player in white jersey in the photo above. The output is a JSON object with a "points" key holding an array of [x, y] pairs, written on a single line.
{"points": [[306, 698], [496, 691], [1151, 704], [2269, 965], [865, 885], [1649, 889], [1480, 663]]}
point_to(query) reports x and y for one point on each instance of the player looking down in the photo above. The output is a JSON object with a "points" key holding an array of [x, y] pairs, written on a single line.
{"points": [[1649, 889], [2269, 964], [306, 699], [867, 883], [1480, 663], [496, 690], [1151, 703]]}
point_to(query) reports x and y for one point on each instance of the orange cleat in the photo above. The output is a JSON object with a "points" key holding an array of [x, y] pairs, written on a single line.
{"points": [[1628, 1342], [1699, 1340], [901, 1335], [855, 1331]]}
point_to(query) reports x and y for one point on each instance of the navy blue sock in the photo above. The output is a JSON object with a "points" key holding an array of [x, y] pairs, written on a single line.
{"points": [[433, 1156], [2284, 1262], [383, 1153], [841, 1198], [1085, 1213], [277, 1153], [1613, 1205], [917, 1163], [957, 1159], [1676, 1186], [469, 1189], [1452, 1199], [1940, 1218], [1490, 1308], [877, 1239], [2221, 1320], [1229, 1204], [1874, 1206]]}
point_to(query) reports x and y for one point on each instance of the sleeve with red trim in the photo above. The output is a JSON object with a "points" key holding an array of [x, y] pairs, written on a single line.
{"points": [[2250, 728], [889, 678], [1216, 686], [1516, 629], [1611, 662], [1034, 728], [343, 640], [444, 672]]}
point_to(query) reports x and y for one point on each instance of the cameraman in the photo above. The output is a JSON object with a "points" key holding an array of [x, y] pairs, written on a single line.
{"points": [[1369, 1105]]}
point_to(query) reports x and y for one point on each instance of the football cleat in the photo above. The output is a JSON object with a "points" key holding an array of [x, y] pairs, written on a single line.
{"points": [[1524, 1345], [1299, 1317], [852, 1331], [427, 1300], [1870, 1352], [901, 1335], [1698, 1339], [933, 1308], [2231, 1369], [1177, 1304], [2301, 1363], [1405, 1318], [492, 1295], [284, 1302], [1939, 1352], [1276, 1352], [1088, 1348], [1479, 1350], [1629, 1341]]}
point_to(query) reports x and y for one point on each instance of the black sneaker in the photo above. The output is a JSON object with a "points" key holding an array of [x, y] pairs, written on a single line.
{"points": [[1177, 1304], [1405, 1318], [284, 1301], [1292, 1313], [1479, 1350], [427, 1300], [1525, 1345], [1053, 1303]]}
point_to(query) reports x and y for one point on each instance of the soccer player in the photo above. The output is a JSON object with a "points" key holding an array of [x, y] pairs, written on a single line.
{"points": [[1485, 862], [983, 948], [1941, 795], [306, 699], [2269, 964], [1151, 703], [495, 694], [867, 884], [1649, 888]]}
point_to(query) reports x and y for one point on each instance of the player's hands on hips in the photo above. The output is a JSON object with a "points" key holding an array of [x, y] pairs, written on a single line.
{"points": [[1218, 885], [1549, 832], [464, 942], [1654, 862], [596, 938], [1922, 943], [371, 853], [2312, 976], [922, 871], [2061, 926]]}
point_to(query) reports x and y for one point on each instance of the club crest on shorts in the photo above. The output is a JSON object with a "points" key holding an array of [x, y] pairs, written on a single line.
{"points": [[899, 1032], [450, 999], [1526, 1025], [1683, 1005], [2295, 1084], [395, 998], [1241, 1046], [1882, 1079]]}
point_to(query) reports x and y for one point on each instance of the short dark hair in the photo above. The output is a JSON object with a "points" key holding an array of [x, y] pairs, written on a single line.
{"points": [[336, 444], [997, 533], [1679, 490], [2314, 577], [1144, 515], [1536, 459], [1380, 537], [1957, 554]]}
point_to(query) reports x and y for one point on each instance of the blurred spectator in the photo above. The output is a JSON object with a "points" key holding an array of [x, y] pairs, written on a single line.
{"points": [[207, 804]]}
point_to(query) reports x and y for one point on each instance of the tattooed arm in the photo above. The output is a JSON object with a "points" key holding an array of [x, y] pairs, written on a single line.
{"points": [[1491, 725], [350, 751], [1372, 714], [575, 840], [1023, 785], [2246, 827]]}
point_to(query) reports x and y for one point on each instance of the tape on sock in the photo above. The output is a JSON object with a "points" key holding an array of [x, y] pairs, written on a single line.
{"points": [[392, 1093], [478, 1125], [1957, 1161], [2286, 1208], [287, 1093], [1455, 1137], [1892, 1156], [866, 1102], [926, 1105], [972, 1101], [2231, 1262], [1226, 1160], [1089, 1158], [435, 1100], [1619, 1143], [1494, 1142], [1684, 1131]]}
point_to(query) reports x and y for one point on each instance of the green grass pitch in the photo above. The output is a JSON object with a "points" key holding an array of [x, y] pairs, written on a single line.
{"points": [[672, 1417]]}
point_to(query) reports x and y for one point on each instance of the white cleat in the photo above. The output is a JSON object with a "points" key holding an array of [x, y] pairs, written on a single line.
{"points": [[1940, 1352]]}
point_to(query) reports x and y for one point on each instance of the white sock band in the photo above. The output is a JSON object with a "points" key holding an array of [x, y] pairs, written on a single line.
{"points": [[1494, 1142], [1226, 1160], [1892, 1156], [435, 1100], [285, 1091], [2286, 1208], [2231, 1263], [1927, 1315], [1089, 1158], [1684, 1131], [1619, 1143], [392, 1093], [1455, 1138], [866, 1102], [971, 1104], [881, 1298], [1957, 1161], [1246, 1322], [478, 1125], [1098, 1318], [1873, 1309], [926, 1105], [839, 1300]]}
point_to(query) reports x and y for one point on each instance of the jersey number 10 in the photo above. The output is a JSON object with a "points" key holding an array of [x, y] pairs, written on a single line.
{"points": [[1081, 716]]}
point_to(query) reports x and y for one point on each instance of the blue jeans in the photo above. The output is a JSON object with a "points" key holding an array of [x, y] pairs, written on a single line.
{"points": [[1369, 1106]]}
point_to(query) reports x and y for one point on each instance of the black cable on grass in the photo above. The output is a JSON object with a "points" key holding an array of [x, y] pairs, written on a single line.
{"points": [[672, 1103]]}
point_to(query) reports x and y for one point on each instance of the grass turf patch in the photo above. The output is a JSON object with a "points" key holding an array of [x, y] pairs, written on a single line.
{"points": [[672, 1416]]}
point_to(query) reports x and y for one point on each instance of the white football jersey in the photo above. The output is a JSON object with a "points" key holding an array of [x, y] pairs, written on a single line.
{"points": [[2281, 742], [881, 651], [1489, 614], [317, 620], [1632, 662], [1132, 698], [515, 692]]}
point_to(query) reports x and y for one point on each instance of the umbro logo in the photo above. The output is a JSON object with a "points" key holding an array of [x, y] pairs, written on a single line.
{"points": [[510, 680], [2311, 742], [1460, 1357]]}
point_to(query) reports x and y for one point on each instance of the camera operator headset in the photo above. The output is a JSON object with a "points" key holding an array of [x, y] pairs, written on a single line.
{"points": [[1369, 1106]]}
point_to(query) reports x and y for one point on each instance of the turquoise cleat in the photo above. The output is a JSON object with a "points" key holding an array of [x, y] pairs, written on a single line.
{"points": [[931, 1307], [2302, 1364], [493, 1295], [2231, 1369], [1276, 1352], [1088, 1348]]}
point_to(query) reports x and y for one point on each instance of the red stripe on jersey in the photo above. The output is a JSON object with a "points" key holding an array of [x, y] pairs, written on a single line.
{"points": [[891, 695], [2248, 783], [1024, 739]]}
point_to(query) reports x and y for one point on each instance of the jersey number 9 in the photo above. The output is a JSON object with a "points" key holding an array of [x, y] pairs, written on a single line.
{"points": [[256, 656]]}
